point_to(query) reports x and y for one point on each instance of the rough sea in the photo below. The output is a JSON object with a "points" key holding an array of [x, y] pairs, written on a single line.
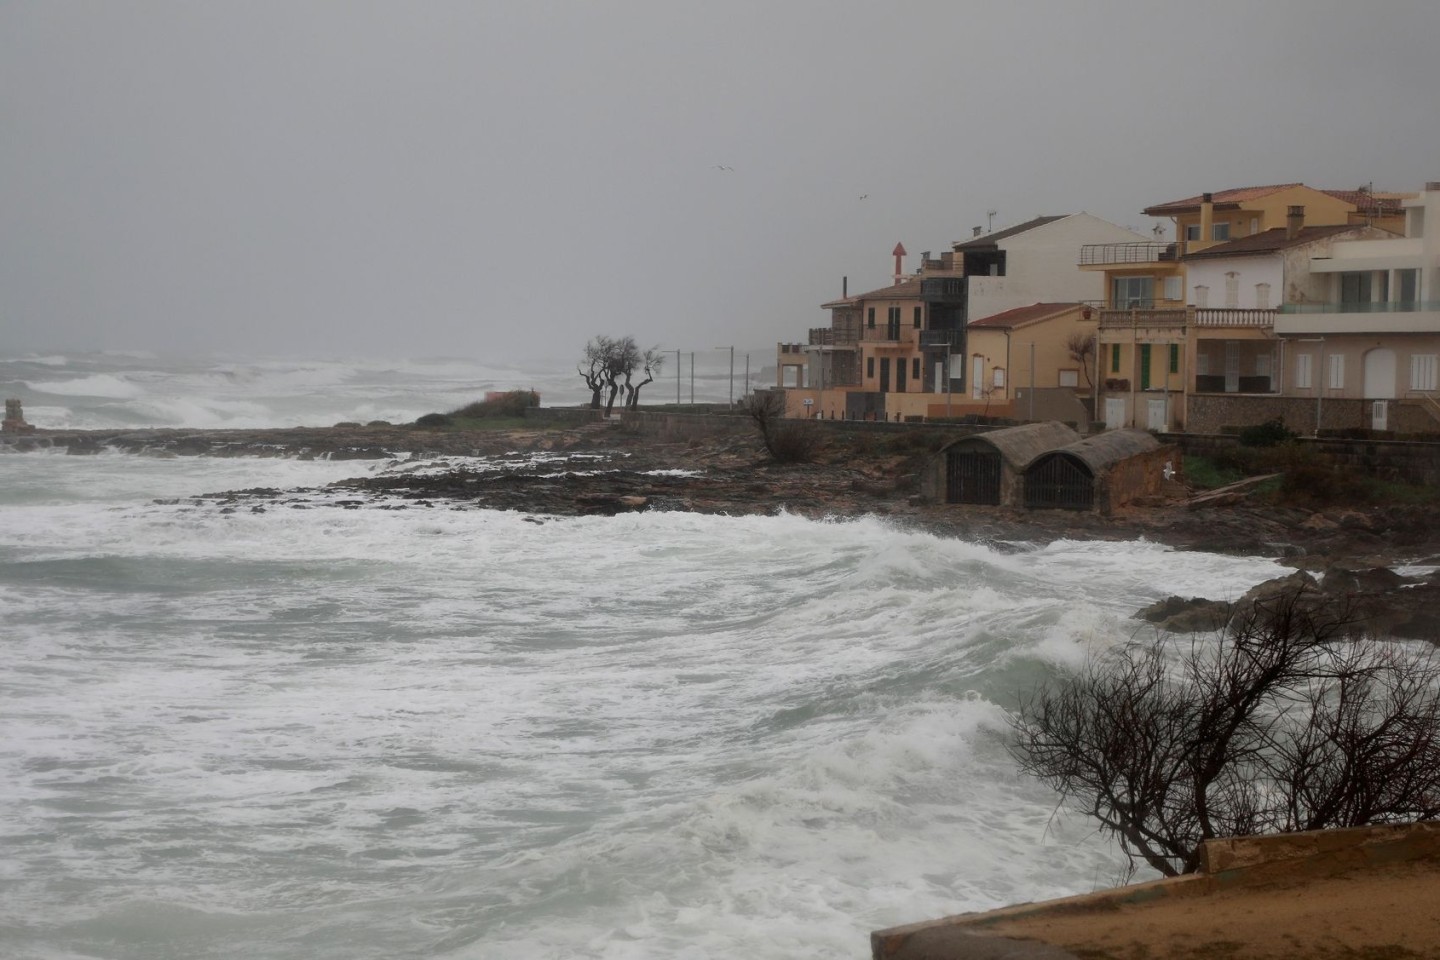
{"points": [[336, 734]]}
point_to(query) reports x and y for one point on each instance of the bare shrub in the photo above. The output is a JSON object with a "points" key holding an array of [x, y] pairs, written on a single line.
{"points": [[787, 441], [1285, 722]]}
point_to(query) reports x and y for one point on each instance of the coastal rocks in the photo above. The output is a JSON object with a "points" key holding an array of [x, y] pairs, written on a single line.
{"points": [[1376, 601]]}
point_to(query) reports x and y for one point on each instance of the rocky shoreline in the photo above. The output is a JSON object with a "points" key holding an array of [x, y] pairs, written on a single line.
{"points": [[605, 469]]}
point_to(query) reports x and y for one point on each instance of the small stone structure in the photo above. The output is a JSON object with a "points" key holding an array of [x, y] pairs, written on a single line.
{"points": [[989, 468], [14, 421], [1101, 472]]}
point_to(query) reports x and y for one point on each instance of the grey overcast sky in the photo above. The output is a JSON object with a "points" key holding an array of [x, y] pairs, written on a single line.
{"points": [[505, 180]]}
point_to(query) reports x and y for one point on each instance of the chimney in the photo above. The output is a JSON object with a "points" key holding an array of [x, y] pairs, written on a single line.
{"points": [[1207, 221], [1294, 220], [899, 254], [844, 288], [977, 231]]}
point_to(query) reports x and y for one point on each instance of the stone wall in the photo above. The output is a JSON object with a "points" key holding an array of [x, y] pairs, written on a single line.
{"points": [[1215, 413], [1408, 461]]}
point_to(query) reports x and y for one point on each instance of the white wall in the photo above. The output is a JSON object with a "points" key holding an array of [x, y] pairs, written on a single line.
{"points": [[1251, 271], [1041, 266]]}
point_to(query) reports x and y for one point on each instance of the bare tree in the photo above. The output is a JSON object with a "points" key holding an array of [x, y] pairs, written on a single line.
{"points": [[1081, 348], [592, 367], [787, 441], [649, 364], [1283, 722], [619, 365]]}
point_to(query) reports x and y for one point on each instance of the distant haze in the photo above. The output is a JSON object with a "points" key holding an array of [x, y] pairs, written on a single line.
{"points": [[505, 180]]}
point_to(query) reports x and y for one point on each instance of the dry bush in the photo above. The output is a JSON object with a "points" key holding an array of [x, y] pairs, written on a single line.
{"points": [[1283, 723]]}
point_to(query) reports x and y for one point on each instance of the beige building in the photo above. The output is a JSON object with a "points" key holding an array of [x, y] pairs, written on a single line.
{"points": [[1024, 361]]}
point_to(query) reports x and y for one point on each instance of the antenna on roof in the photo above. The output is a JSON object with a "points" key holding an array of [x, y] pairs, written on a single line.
{"points": [[990, 219]]}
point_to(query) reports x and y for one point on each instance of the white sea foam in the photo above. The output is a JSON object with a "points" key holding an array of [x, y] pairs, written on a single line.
{"points": [[450, 732]]}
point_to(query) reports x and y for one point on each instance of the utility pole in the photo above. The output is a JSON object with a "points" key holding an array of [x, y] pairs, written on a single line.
{"points": [[677, 377], [692, 378]]}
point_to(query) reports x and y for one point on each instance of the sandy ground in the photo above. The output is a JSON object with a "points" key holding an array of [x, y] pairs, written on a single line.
{"points": [[1387, 913]]}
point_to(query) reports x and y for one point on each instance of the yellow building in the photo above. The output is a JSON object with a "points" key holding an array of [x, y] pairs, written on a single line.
{"points": [[1043, 354]]}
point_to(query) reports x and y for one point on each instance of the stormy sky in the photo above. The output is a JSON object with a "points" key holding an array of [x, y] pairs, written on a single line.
{"points": [[505, 180]]}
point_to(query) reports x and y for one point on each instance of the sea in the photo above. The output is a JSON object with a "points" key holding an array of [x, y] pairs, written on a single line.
{"points": [[448, 732]]}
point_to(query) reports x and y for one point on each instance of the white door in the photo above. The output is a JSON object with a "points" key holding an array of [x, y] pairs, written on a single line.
{"points": [[1114, 413], [940, 385], [1380, 375], [1232, 367], [977, 378], [1157, 418], [1379, 414]]}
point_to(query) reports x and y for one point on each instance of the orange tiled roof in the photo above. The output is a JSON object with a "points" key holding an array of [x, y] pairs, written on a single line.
{"points": [[1019, 316], [905, 290], [1268, 241], [1236, 196]]}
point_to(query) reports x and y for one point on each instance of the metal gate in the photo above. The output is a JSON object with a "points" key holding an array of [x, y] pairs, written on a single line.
{"points": [[972, 476], [1058, 480]]}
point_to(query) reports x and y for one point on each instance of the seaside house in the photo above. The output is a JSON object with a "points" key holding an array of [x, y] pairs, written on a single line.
{"points": [[1362, 345], [1023, 364], [901, 351], [1176, 322]]}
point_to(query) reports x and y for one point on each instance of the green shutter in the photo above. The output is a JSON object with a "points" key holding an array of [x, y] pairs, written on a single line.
{"points": [[1115, 358], [1144, 366], [1174, 358]]}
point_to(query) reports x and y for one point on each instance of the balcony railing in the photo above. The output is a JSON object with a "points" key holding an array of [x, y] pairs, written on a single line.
{"points": [[1148, 317], [1398, 306], [886, 334], [1095, 254], [830, 337], [1230, 317], [939, 338]]}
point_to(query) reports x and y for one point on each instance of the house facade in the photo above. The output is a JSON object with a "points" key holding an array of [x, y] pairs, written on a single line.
{"points": [[1364, 345], [901, 351]]}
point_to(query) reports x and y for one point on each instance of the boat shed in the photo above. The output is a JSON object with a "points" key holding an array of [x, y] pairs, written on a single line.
{"points": [[989, 468], [1099, 473]]}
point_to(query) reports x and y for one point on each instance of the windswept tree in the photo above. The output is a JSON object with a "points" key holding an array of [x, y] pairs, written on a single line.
{"points": [[1081, 348], [1285, 722], [592, 367], [649, 365], [619, 365]]}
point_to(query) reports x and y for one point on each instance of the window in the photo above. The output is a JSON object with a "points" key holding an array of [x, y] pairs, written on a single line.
{"points": [[1355, 288], [1114, 358], [1202, 364], [919, 311], [1173, 288], [1254, 226], [1219, 231], [1302, 371], [1337, 371], [870, 367], [1232, 289], [1069, 378], [1174, 358], [999, 378], [1192, 231], [1422, 371], [1262, 365], [870, 318], [1202, 295], [1262, 296], [915, 369], [1408, 285], [1144, 366], [1130, 292]]}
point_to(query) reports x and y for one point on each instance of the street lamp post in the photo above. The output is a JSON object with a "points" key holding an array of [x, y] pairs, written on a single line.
{"points": [[732, 372]]}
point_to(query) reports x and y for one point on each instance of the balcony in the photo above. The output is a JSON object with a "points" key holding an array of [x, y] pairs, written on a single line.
{"points": [[1398, 306], [1150, 318], [885, 334], [1322, 319], [830, 337], [1230, 317], [939, 338], [1103, 254]]}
